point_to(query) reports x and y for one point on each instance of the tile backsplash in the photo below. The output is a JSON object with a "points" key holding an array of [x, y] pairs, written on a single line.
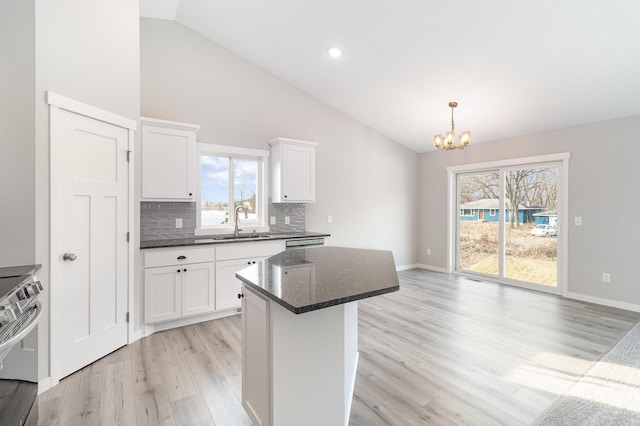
{"points": [[158, 219]]}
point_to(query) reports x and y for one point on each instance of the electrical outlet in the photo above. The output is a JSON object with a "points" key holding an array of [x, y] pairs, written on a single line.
{"points": [[329, 219], [272, 220], [577, 221], [286, 220], [178, 222], [428, 252], [606, 277]]}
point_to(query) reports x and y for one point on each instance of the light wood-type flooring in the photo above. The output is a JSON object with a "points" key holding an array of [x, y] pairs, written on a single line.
{"points": [[442, 350]]}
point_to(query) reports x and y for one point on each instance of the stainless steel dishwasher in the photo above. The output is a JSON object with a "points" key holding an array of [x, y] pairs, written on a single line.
{"points": [[304, 242]]}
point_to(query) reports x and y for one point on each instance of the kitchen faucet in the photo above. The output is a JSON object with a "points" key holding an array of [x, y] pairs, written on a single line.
{"points": [[235, 215]]}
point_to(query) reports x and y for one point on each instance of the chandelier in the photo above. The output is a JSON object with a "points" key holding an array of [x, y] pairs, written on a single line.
{"points": [[448, 141]]}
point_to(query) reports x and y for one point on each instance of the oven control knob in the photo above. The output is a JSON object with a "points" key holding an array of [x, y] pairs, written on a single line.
{"points": [[28, 291], [8, 314], [15, 305], [20, 294], [35, 289]]}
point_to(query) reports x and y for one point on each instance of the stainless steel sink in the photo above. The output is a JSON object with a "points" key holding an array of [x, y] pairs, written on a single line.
{"points": [[241, 237]]}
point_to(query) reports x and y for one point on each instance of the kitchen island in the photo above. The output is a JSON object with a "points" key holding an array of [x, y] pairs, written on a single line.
{"points": [[300, 331]]}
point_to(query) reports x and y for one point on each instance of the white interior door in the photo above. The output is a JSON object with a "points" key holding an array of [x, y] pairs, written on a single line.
{"points": [[90, 203]]}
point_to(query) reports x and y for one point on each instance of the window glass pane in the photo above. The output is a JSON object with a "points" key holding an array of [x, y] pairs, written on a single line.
{"points": [[531, 244], [478, 247], [215, 191], [245, 176]]}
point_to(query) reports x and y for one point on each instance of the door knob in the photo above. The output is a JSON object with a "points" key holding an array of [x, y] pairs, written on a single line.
{"points": [[69, 257]]}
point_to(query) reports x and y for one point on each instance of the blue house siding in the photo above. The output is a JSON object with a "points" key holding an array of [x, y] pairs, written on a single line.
{"points": [[524, 216]]}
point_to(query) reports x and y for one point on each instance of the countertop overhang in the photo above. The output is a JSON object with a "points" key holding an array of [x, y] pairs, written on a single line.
{"points": [[226, 239], [308, 279]]}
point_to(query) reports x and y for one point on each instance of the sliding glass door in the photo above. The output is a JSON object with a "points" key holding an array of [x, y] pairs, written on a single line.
{"points": [[507, 224]]}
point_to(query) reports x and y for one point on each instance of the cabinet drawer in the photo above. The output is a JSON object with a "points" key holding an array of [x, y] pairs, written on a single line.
{"points": [[173, 256], [248, 250]]}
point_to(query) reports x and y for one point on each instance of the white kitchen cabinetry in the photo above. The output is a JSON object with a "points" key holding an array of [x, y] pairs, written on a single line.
{"points": [[168, 160], [293, 171], [233, 257], [178, 283]]}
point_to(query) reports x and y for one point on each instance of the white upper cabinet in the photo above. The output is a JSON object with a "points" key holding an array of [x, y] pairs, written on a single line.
{"points": [[168, 160], [293, 171]]}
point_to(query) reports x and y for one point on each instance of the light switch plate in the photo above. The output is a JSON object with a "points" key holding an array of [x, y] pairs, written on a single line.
{"points": [[272, 220], [577, 221], [178, 222]]}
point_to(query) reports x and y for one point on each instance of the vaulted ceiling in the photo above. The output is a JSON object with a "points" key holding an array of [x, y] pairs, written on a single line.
{"points": [[515, 67]]}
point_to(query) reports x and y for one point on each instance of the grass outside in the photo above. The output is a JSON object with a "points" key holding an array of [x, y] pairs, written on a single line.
{"points": [[531, 259]]}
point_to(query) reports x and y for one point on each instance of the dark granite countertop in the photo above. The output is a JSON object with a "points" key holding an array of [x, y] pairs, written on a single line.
{"points": [[211, 239], [308, 279]]}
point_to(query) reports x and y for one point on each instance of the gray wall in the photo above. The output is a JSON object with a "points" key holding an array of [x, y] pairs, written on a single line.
{"points": [[603, 190], [17, 132], [365, 181], [87, 51]]}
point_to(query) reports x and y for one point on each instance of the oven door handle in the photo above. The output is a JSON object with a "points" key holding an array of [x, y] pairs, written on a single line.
{"points": [[20, 334]]}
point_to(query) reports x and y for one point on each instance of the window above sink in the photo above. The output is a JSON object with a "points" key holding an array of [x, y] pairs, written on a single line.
{"points": [[229, 177]]}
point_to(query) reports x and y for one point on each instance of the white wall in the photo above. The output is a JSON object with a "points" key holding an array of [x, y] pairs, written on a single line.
{"points": [[603, 190], [366, 181], [87, 51], [17, 132]]}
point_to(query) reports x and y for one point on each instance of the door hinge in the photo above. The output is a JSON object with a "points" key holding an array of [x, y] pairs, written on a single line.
{"points": [[127, 316], [128, 156], [128, 236]]}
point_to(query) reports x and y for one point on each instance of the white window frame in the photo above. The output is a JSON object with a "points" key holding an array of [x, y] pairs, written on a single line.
{"points": [[492, 212], [262, 157], [562, 160]]}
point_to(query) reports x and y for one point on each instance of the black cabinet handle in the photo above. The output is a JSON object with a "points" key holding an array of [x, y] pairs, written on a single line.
{"points": [[240, 295], [184, 270], [285, 196], [178, 271], [190, 194], [182, 257], [249, 263]]}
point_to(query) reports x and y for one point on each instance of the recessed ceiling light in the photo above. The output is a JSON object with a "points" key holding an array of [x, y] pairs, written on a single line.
{"points": [[334, 52]]}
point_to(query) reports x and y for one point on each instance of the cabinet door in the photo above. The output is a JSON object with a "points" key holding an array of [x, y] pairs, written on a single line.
{"points": [[168, 163], [198, 288], [298, 173], [162, 294], [227, 285], [256, 358]]}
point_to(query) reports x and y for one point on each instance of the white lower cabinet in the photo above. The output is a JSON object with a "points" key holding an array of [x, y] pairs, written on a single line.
{"points": [[228, 286], [234, 257], [189, 281], [178, 283]]}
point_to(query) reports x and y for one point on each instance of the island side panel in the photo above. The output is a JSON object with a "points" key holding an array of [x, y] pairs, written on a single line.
{"points": [[314, 359], [256, 357]]}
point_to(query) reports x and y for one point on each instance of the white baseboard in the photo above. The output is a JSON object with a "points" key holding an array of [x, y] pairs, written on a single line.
{"points": [[602, 301], [161, 326], [431, 268], [422, 266], [405, 267], [44, 385]]}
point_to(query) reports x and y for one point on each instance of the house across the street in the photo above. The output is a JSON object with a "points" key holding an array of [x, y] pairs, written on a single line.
{"points": [[487, 210]]}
